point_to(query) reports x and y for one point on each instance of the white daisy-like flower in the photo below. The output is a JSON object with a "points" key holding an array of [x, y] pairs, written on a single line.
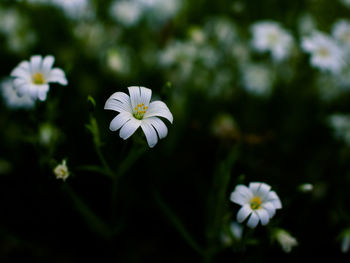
{"points": [[325, 52], [11, 97], [341, 32], [126, 12], [33, 77], [136, 110], [258, 203], [270, 36]]}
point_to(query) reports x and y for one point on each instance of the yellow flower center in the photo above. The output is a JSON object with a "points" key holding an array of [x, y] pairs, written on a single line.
{"points": [[139, 111], [38, 79], [255, 203], [323, 52]]}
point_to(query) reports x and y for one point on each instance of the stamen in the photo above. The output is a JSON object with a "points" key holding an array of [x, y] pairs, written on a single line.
{"points": [[38, 78], [139, 111], [255, 203]]}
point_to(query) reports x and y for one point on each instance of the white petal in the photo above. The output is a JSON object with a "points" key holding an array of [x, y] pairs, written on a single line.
{"points": [[159, 109], [22, 71], [253, 220], [159, 126], [263, 215], [119, 101], [146, 95], [244, 191], [243, 213], [19, 82], [119, 121], [254, 187], [270, 208], [57, 75], [47, 64], [263, 190], [42, 92], [129, 128], [150, 133], [135, 96], [35, 64], [274, 199]]}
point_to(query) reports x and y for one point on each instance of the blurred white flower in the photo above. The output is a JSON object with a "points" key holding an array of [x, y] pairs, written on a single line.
{"points": [[258, 203], [74, 9], [345, 240], [16, 27], [11, 97], [61, 171], [286, 240], [340, 123], [236, 230], [326, 54], [346, 3], [270, 36], [306, 187], [306, 24], [257, 78], [161, 9], [136, 110], [126, 12], [33, 77], [341, 32]]}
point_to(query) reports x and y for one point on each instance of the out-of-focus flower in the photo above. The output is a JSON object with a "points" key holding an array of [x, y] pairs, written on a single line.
{"points": [[33, 77], [258, 203], [118, 60], [47, 134], [61, 171], [257, 79], [16, 28], [306, 187], [340, 123], [345, 240], [136, 110], [11, 98], [285, 239], [225, 127], [325, 52], [236, 230], [126, 12], [346, 3], [74, 9], [270, 36], [306, 24], [161, 10], [341, 32]]}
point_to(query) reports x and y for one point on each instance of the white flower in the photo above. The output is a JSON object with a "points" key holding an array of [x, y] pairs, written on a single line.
{"points": [[126, 12], [341, 32], [33, 77], [340, 123], [345, 240], [12, 99], [270, 36], [306, 187], [346, 3], [325, 52], [258, 203], [74, 8], [136, 110], [61, 171], [285, 239], [257, 78]]}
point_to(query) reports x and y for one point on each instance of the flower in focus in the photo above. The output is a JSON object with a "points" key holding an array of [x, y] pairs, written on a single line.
{"points": [[325, 52], [61, 171], [33, 77], [258, 203], [136, 110], [286, 240], [270, 36], [11, 97]]}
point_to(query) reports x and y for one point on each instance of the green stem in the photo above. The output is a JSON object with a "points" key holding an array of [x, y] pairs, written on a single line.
{"points": [[178, 224]]}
